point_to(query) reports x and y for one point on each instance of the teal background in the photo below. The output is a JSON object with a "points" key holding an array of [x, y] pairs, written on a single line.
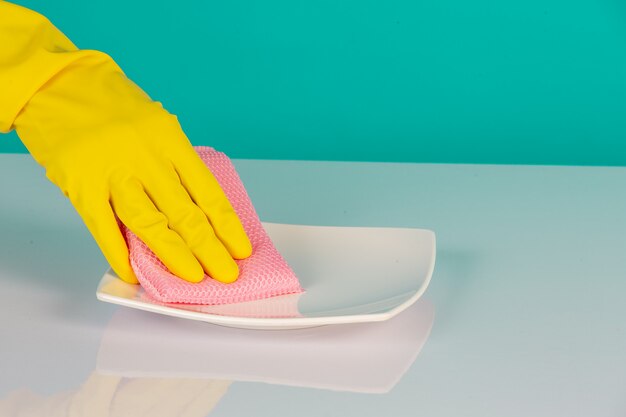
{"points": [[530, 82]]}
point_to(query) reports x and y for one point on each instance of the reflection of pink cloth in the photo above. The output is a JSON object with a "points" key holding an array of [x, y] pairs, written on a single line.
{"points": [[264, 274]]}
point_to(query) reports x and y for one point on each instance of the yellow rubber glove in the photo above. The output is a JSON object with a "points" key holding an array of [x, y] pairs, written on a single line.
{"points": [[114, 152]]}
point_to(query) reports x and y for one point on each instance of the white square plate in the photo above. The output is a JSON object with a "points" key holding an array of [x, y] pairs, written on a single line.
{"points": [[350, 275]]}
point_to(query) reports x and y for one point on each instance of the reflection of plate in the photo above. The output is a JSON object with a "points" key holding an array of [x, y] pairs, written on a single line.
{"points": [[350, 275], [366, 357]]}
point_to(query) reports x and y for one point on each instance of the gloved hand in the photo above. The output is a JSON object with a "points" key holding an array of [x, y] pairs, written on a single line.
{"points": [[114, 152]]}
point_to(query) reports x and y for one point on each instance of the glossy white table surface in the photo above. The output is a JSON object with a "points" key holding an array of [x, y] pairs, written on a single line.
{"points": [[528, 299]]}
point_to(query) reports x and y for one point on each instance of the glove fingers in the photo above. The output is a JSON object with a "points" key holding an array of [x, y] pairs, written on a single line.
{"points": [[101, 222], [191, 223], [139, 214], [209, 196]]}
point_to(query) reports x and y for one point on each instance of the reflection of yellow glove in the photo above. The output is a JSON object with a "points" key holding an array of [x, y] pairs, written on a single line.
{"points": [[112, 396], [114, 151]]}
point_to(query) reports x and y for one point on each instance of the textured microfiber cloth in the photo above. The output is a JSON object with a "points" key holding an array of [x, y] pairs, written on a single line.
{"points": [[264, 274]]}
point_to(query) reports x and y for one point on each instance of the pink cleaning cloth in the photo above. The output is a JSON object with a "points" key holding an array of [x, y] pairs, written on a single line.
{"points": [[264, 274], [279, 307]]}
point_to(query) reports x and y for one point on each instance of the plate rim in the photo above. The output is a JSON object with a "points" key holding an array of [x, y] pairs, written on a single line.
{"points": [[279, 322]]}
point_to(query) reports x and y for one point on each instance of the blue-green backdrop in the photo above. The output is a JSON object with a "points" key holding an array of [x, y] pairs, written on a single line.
{"points": [[486, 81]]}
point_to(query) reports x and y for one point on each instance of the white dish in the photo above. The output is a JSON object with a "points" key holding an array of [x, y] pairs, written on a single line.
{"points": [[350, 275]]}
